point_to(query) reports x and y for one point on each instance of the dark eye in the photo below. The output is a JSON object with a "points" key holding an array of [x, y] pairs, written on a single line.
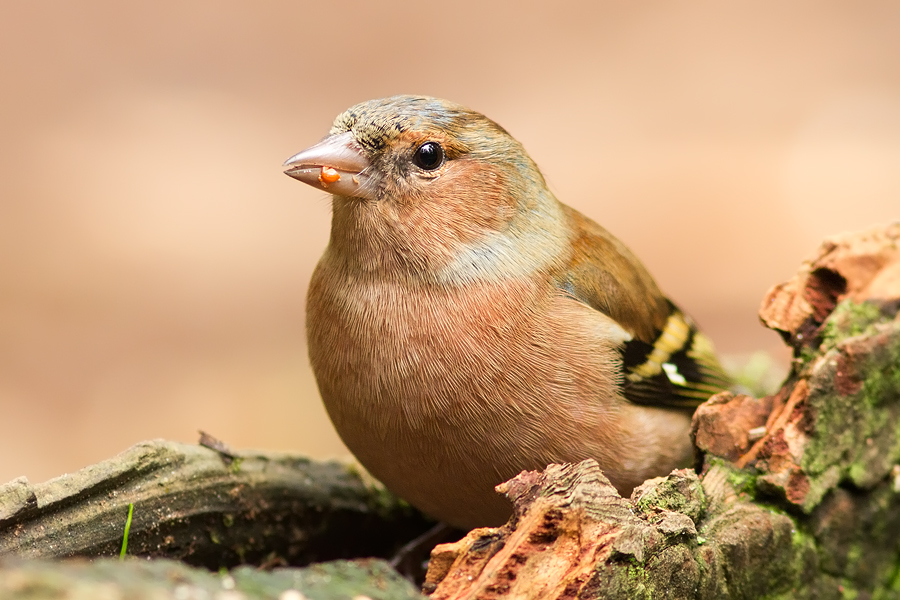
{"points": [[429, 156]]}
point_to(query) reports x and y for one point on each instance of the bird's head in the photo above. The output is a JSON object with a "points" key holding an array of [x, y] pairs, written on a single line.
{"points": [[422, 183]]}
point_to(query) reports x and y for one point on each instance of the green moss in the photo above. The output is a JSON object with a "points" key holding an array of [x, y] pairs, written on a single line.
{"points": [[802, 539], [636, 577], [849, 319], [792, 578], [883, 382], [854, 554], [742, 480], [857, 472], [808, 355], [848, 592], [857, 435], [621, 580], [893, 583], [679, 492]]}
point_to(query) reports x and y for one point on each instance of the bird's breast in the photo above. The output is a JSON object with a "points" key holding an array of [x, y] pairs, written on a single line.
{"points": [[410, 352], [443, 392]]}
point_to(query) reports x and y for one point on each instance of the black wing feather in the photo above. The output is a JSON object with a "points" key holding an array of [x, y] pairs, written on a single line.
{"points": [[684, 378]]}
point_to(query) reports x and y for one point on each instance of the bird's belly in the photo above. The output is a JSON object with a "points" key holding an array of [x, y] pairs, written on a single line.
{"points": [[442, 398]]}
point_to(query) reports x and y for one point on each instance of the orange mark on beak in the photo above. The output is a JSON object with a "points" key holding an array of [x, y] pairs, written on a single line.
{"points": [[329, 175]]}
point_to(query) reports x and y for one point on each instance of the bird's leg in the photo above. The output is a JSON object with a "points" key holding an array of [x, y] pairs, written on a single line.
{"points": [[411, 560]]}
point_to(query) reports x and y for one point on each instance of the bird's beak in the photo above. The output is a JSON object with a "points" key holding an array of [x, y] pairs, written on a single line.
{"points": [[336, 165]]}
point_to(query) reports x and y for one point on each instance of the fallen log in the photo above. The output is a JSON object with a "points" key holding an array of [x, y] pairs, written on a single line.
{"points": [[206, 508]]}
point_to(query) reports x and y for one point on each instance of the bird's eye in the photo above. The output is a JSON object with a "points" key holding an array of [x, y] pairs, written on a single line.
{"points": [[429, 156]]}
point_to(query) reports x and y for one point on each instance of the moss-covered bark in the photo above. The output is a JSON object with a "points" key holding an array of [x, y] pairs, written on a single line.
{"points": [[205, 508]]}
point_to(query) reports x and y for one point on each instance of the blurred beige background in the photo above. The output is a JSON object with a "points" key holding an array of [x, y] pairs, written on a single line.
{"points": [[154, 259]]}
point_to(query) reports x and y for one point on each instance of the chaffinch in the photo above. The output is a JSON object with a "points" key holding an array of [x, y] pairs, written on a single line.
{"points": [[464, 325]]}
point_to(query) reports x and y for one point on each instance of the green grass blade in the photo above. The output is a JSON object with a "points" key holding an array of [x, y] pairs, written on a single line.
{"points": [[127, 527]]}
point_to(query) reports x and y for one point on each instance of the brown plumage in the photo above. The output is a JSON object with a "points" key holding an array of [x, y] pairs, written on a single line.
{"points": [[465, 325]]}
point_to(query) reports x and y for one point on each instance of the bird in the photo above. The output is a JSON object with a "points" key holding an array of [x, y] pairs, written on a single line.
{"points": [[464, 325]]}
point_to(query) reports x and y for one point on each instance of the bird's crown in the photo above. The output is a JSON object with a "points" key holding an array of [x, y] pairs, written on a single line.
{"points": [[376, 123]]}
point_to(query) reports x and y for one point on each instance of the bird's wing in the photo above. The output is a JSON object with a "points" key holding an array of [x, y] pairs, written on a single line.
{"points": [[668, 362]]}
